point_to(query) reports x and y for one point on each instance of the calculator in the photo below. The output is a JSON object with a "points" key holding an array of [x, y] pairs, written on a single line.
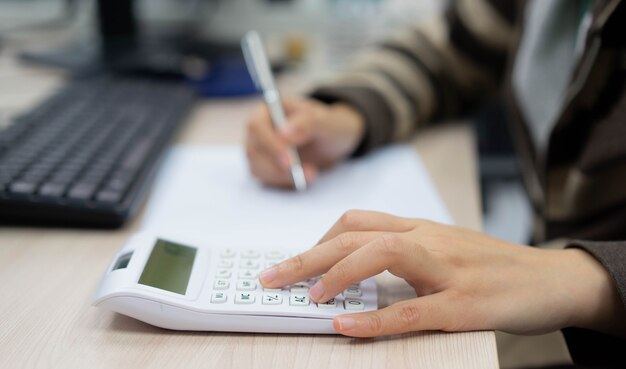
{"points": [[182, 284]]}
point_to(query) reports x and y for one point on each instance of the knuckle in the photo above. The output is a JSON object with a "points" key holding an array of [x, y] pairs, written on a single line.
{"points": [[390, 245], [408, 315], [296, 263], [346, 242], [351, 219]]}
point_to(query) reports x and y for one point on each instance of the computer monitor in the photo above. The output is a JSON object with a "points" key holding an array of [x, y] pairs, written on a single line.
{"points": [[121, 46]]}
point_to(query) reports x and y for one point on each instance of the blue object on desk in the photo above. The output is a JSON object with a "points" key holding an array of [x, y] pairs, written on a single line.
{"points": [[225, 76]]}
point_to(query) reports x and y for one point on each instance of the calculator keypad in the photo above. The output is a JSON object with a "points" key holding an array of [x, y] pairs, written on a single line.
{"points": [[236, 275]]}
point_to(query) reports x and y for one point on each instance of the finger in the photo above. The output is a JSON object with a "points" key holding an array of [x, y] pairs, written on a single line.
{"points": [[316, 260], [371, 259], [266, 169], [268, 172], [361, 220], [432, 312], [264, 138]]}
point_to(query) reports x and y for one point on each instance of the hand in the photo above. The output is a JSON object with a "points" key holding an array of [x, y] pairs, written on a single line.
{"points": [[323, 134], [464, 280]]}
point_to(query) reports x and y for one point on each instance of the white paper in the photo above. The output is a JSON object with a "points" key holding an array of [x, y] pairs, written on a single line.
{"points": [[208, 192]]}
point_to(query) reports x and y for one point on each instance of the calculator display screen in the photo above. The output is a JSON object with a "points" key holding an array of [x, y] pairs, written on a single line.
{"points": [[169, 267]]}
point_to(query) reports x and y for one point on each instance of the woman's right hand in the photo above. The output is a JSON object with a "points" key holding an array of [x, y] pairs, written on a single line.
{"points": [[323, 134]]}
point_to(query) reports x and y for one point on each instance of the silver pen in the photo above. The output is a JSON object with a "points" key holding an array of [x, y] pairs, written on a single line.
{"points": [[259, 68]]}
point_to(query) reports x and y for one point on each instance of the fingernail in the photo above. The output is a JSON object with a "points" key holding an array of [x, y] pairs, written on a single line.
{"points": [[317, 291], [345, 323], [268, 275]]}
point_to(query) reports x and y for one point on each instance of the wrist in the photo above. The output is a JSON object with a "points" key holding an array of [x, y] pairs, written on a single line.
{"points": [[597, 304], [353, 124]]}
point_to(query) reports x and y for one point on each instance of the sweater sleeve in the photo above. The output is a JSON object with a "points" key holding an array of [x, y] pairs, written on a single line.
{"points": [[593, 349], [435, 70]]}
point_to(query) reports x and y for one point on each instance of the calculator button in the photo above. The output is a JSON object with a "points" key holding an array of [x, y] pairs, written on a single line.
{"points": [[299, 288], [270, 264], [218, 297], [228, 253], [225, 263], [221, 284], [249, 264], [298, 300], [272, 299], [353, 292], [223, 273], [272, 290], [246, 285], [353, 304], [274, 255], [244, 298], [248, 274], [250, 254], [328, 304]]}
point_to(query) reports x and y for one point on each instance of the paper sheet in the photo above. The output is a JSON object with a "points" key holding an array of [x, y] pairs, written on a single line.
{"points": [[208, 192]]}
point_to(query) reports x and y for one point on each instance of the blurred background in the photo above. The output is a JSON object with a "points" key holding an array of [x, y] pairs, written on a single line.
{"points": [[309, 38]]}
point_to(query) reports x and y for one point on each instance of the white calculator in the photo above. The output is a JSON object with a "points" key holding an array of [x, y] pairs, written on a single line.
{"points": [[182, 285]]}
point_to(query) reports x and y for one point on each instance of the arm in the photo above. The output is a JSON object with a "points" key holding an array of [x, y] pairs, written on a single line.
{"points": [[589, 347], [464, 280], [434, 71], [431, 72]]}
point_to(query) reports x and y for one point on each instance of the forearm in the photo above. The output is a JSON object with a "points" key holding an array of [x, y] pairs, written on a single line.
{"points": [[425, 73]]}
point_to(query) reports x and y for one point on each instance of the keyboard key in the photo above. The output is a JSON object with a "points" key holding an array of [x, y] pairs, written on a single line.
{"points": [[272, 299], [299, 288], [244, 298], [137, 155], [249, 264], [246, 285], [109, 196], [23, 188], [82, 191], [221, 284], [218, 298], [274, 255], [272, 290], [353, 292], [228, 253], [328, 304], [248, 274], [298, 300], [52, 189], [251, 254], [353, 304], [223, 273], [225, 263]]}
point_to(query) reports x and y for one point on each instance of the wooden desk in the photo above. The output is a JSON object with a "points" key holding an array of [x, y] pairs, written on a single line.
{"points": [[47, 277]]}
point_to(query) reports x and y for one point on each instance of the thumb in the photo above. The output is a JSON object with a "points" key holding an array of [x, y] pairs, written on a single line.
{"points": [[431, 312]]}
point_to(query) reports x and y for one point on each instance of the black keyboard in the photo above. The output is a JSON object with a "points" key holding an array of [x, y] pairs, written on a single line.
{"points": [[86, 155]]}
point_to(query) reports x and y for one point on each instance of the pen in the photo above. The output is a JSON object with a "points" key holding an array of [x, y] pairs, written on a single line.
{"points": [[259, 69]]}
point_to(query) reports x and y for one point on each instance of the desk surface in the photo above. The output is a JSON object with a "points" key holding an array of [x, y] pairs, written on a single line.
{"points": [[47, 277]]}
